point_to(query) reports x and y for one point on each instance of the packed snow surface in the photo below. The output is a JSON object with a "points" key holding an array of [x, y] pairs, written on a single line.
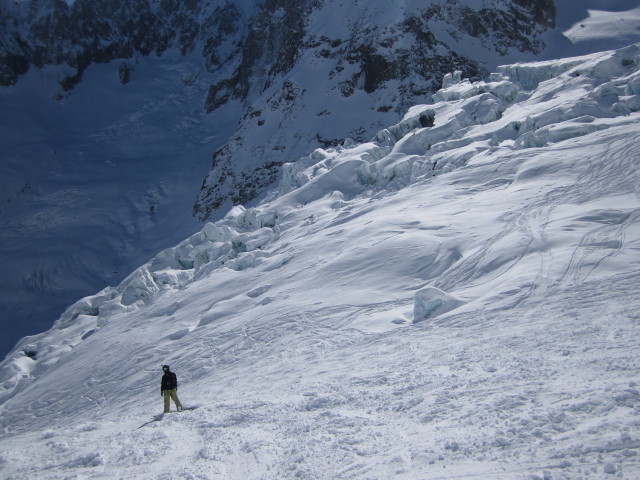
{"points": [[457, 298], [601, 25]]}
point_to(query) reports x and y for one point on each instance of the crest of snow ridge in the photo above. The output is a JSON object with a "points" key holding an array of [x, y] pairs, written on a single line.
{"points": [[580, 96]]}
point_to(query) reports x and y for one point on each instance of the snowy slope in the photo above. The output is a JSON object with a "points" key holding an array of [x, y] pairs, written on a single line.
{"points": [[106, 138], [593, 24], [97, 183], [98, 178], [456, 298]]}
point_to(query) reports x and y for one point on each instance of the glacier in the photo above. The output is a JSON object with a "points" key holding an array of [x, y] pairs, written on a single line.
{"points": [[107, 136], [455, 298], [82, 207]]}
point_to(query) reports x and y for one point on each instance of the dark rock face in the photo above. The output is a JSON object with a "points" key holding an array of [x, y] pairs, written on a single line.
{"points": [[50, 32], [405, 53], [259, 61], [517, 26], [227, 185], [270, 49], [44, 32], [542, 12]]}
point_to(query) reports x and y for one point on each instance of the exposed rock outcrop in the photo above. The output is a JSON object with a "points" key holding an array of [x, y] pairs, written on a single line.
{"points": [[279, 61]]}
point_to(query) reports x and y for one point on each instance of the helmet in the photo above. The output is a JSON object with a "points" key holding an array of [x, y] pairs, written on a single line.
{"points": [[165, 368]]}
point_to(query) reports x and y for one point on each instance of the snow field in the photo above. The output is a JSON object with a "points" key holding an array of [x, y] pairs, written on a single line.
{"points": [[497, 396], [602, 24], [455, 299], [95, 184]]}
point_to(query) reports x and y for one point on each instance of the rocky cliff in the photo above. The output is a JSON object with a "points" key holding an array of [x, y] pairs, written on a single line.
{"points": [[279, 60], [51, 32], [371, 59]]}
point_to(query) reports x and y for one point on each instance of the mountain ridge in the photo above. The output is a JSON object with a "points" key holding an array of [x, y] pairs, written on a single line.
{"points": [[347, 71], [90, 31]]}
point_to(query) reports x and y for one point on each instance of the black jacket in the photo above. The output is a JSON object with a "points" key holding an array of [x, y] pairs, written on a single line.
{"points": [[169, 381]]}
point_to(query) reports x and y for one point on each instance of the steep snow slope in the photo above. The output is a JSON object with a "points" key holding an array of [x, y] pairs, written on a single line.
{"points": [[284, 77], [96, 184], [114, 84], [593, 24], [455, 299]]}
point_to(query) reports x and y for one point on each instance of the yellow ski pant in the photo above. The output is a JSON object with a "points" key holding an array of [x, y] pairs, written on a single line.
{"points": [[171, 395]]}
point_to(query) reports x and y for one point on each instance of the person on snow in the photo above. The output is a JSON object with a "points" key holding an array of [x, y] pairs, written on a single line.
{"points": [[169, 389]]}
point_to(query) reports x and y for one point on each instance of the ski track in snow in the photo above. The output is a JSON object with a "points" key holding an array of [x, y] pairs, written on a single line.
{"points": [[455, 301], [501, 396]]}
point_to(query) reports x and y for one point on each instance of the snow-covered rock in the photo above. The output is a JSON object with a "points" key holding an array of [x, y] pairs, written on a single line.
{"points": [[430, 302]]}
